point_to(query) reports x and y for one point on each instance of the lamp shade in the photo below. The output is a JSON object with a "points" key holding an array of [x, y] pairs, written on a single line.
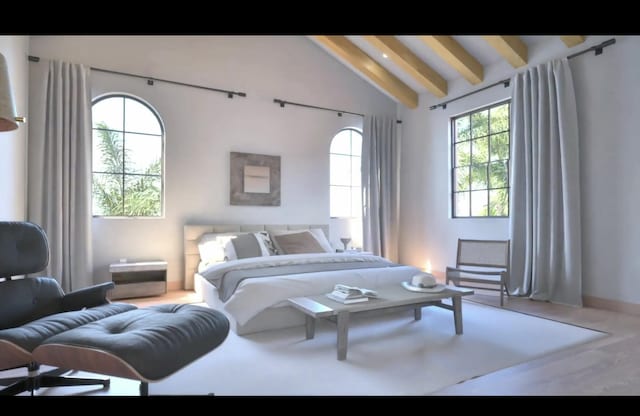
{"points": [[7, 108]]}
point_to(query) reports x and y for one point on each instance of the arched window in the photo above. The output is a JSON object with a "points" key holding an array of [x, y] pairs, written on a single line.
{"points": [[128, 158], [345, 186]]}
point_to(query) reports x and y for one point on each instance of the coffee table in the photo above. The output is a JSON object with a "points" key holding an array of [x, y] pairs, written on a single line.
{"points": [[393, 297]]}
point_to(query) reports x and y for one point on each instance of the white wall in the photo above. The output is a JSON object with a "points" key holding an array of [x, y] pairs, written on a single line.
{"points": [[608, 101], [427, 231], [13, 143], [203, 127]]}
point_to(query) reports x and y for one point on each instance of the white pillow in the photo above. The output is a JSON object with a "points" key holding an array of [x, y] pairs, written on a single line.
{"points": [[322, 239], [211, 246], [317, 233]]}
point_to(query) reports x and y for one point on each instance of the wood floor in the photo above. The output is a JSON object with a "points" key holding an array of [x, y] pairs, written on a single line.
{"points": [[177, 296], [608, 366]]}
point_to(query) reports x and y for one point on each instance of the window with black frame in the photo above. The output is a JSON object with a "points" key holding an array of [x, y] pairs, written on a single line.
{"points": [[480, 162], [128, 156], [345, 189]]}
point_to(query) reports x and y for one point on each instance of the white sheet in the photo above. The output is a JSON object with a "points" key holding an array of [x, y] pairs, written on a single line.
{"points": [[255, 295]]}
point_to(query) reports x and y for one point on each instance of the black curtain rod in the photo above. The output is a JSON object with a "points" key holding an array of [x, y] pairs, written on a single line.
{"points": [[505, 82], [339, 112], [597, 48], [151, 80]]}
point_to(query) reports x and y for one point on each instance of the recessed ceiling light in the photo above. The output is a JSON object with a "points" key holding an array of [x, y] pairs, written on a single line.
{"points": [[384, 55]]}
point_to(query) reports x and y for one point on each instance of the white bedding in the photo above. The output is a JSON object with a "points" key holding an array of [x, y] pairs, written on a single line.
{"points": [[254, 295]]}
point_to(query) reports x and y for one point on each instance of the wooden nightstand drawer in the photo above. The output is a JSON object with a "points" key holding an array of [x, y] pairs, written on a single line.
{"points": [[141, 279]]}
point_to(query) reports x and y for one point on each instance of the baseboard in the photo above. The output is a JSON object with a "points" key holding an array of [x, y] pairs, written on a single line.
{"points": [[611, 305], [174, 285]]}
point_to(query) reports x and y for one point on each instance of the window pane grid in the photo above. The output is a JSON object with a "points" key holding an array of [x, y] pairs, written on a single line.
{"points": [[127, 131], [480, 162], [133, 174], [125, 190], [344, 183]]}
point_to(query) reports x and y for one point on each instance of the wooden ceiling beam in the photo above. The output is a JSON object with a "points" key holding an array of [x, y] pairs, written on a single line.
{"points": [[348, 51], [572, 41], [511, 48], [456, 56], [410, 63]]}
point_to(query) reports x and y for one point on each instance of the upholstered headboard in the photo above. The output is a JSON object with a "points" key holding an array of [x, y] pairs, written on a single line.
{"points": [[192, 234]]}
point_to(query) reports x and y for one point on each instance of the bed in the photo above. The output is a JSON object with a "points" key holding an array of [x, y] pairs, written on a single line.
{"points": [[252, 292]]}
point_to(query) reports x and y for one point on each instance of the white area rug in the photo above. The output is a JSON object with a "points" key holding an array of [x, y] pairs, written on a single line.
{"points": [[387, 355]]}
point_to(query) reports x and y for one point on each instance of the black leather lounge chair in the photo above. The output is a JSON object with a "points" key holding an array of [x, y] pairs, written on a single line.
{"points": [[82, 331], [35, 309]]}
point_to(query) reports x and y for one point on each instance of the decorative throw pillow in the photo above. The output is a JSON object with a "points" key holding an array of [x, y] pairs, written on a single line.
{"points": [[245, 245], [317, 233], [297, 243], [266, 241]]}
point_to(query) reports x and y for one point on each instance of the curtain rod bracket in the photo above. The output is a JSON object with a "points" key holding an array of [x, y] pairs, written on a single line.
{"points": [[149, 82], [229, 94]]}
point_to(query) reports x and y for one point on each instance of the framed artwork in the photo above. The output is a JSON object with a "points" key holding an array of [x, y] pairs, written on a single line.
{"points": [[255, 179]]}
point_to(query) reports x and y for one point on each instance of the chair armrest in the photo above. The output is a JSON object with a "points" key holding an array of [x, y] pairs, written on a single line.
{"points": [[87, 298], [481, 272]]}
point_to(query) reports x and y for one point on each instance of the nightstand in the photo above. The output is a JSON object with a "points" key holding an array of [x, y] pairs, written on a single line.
{"points": [[134, 280]]}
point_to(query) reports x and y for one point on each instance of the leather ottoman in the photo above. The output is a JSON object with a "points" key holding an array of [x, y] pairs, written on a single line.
{"points": [[144, 344]]}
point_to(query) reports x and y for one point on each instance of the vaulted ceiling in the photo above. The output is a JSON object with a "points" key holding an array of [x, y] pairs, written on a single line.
{"points": [[406, 66]]}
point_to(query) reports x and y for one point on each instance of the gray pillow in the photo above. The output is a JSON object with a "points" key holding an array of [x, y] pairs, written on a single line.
{"points": [[246, 245], [297, 243]]}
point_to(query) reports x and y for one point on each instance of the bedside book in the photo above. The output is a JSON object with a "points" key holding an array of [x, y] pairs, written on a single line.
{"points": [[347, 292], [339, 299]]}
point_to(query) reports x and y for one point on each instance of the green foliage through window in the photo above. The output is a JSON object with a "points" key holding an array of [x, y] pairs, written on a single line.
{"points": [[127, 158], [480, 157]]}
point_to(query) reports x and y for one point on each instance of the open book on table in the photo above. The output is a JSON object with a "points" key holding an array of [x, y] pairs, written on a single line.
{"points": [[353, 292], [339, 299]]}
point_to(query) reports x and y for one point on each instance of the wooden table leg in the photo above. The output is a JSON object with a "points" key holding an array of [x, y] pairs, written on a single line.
{"points": [[457, 313], [417, 313], [310, 326], [343, 334]]}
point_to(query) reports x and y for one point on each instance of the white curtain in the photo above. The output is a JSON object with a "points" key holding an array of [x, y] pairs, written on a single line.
{"points": [[546, 260], [59, 168], [381, 186]]}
